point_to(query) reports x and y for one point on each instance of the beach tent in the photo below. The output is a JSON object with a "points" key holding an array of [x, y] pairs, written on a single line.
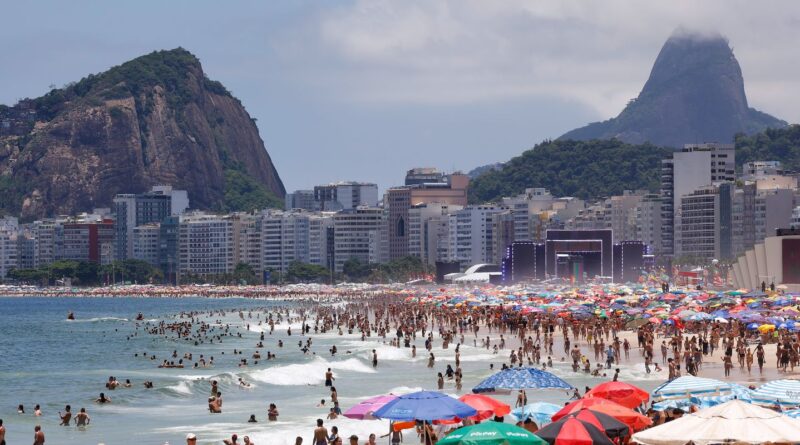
{"points": [[734, 421], [540, 412], [784, 392], [520, 378], [491, 433]]}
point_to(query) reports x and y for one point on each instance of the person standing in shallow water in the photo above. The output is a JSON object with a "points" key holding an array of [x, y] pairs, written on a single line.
{"points": [[38, 435], [82, 419], [320, 434], [67, 416]]}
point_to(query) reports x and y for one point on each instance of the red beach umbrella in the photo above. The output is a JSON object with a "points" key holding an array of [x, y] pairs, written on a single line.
{"points": [[623, 393], [625, 415], [485, 405], [571, 431], [610, 426]]}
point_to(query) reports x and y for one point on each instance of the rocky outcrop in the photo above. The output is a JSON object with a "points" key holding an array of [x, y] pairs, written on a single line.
{"points": [[695, 94], [154, 120]]}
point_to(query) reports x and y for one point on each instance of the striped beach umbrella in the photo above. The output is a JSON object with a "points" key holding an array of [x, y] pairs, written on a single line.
{"points": [[784, 392], [690, 386]]}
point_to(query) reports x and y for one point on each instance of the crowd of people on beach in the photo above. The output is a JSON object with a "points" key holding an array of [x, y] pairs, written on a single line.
{"points": [[593, 345]]}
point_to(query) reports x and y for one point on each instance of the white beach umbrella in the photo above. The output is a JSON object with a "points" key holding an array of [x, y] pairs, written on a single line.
{"points": [[734, 421]]}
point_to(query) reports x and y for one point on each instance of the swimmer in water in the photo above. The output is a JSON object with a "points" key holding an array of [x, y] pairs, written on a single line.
{"points": [[67, 416], [103, 399], [82, 419]]}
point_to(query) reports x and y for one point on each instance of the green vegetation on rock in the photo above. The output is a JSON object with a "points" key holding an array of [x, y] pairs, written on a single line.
{"points": [[781, 144], [245, 194], [583, 169]]}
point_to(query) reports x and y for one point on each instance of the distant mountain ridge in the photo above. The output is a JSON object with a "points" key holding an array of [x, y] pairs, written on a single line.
{"points": [[695, 93], [156, 119]]}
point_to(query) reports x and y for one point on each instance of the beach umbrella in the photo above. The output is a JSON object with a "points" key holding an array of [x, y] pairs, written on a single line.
{"points": [[366, 408], [625, 415], [572, 431], [486, 406], [794, 414], [623, 393], [688, 386], [424, 405], [491, 433], [540, 412], [732, 422], [520, 378], [610, 426], [785, 392]]}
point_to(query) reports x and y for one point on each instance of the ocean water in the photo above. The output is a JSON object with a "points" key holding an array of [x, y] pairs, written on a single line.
{"points": [[50, 361]]}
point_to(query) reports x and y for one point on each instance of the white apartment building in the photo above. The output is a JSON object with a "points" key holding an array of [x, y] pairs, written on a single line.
{"points": [[647, 220], [773, 210], [205, 244], [9, 232], [247, 240], [796, 218], [428, 229], [320, 239], [284, 239], [695, 166], [471, 235]]}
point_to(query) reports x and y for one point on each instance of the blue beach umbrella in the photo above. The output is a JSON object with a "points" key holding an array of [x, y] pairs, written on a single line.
{"points": [[540, 412], [520, 378], [424, 405]]}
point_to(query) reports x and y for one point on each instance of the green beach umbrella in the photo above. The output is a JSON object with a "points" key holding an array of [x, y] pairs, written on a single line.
{"points": [[491, 433]]}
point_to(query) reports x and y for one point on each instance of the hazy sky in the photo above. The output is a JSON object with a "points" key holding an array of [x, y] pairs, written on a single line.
{"points": [[366, 90]]}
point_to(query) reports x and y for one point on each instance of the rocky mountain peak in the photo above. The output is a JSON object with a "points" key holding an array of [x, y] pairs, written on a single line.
{"points": [[695, 93]]}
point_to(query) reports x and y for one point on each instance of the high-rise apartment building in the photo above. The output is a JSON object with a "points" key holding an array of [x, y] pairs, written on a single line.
{"points": [[423, 186], [472, 235], [360, 234], [205, 244], [132, 210], [695, 166], [302, 200], [705, 223], [428, 231], [345, 195], [88, 238], [146, 243]]}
